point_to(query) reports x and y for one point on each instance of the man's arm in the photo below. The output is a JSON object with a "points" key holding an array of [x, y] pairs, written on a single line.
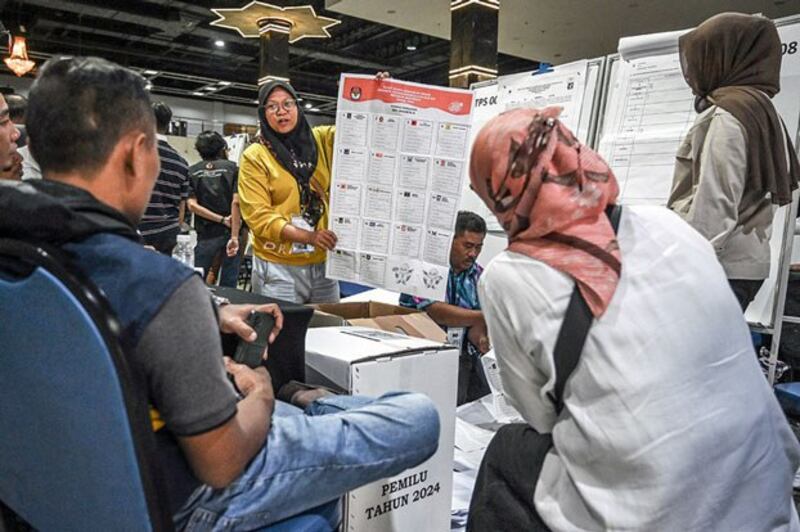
{"points": [[181, 355], [205, 212], [182, 212], [236, 223], [454, 316], [185, 186], [244, 434], [220, 455]]}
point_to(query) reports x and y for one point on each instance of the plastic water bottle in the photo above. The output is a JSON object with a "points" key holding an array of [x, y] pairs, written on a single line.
{"points": [[183, 251]]}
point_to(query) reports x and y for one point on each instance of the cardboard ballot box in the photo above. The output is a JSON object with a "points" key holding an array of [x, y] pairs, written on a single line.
{"points": [[371, 362], [374, 315]]}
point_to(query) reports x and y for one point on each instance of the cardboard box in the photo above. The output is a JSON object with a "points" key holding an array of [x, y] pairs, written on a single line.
{"points": [[374, 315], [371, 362]]}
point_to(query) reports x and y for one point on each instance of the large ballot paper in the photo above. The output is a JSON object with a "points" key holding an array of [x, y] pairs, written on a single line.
{"points": [[400, 159]]}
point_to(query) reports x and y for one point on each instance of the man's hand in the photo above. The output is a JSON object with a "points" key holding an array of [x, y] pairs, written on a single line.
{"points": [[382, 75], [233, 247], [232, 319], [324, 239], [219, 456], [14, 169], [226, 221], [249, 380], [479, 337]]}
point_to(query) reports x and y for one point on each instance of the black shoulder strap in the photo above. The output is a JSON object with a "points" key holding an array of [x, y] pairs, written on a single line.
{"points": [[574, 329]]}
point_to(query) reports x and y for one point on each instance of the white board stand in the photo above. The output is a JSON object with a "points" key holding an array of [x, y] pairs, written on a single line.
{"points": [[766, 313], [488, 104]]}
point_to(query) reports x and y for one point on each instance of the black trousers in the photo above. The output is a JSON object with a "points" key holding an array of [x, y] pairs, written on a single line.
{"points": [[472, 382], [745, 290], [503, 496], [165, 241]]}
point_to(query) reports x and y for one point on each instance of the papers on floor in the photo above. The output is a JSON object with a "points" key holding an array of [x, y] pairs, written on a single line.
{"points": [[476, 425], [470, 437], [500, 409]]}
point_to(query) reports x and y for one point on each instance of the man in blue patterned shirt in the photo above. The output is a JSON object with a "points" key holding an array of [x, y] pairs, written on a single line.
{"points": [[461, 314]]}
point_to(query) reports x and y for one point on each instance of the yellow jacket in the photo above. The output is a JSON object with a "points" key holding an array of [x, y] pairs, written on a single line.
{"points": [[269, 197]]}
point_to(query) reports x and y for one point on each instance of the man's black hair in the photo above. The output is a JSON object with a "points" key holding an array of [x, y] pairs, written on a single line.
{"points": [[79, 108], [17, 105], [469, 221], [210, 145], [163, 116]]}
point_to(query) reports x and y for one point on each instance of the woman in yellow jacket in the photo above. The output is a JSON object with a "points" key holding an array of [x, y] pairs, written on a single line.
{"points": [[284, 191]]}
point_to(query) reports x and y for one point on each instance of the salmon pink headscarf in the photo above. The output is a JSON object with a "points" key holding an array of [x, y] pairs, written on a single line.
{"points": [[550, 194]]}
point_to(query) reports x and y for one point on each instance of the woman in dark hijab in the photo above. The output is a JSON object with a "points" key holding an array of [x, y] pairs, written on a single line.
{"points": [[284, 190], [737, 159]]}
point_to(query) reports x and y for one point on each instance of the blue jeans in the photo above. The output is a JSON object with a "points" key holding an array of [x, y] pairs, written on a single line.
{"points": [[342, 442], [204, 253]]}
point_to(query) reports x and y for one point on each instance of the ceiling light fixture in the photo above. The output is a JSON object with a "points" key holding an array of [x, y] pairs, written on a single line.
{"points": [[150, 72], [219, 43], [195, 93], [411, 47], [18, 61], [224, 83], [309, 106], [300, 21]]}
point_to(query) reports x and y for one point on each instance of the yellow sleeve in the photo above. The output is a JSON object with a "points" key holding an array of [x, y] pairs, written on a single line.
{"points": [[255, 200], [326, 136]]}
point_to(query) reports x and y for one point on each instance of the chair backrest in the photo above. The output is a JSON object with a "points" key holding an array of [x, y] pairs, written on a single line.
{"points": [[75, 451]]}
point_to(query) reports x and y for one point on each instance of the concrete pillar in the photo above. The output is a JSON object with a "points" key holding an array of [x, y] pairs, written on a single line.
{"points": [[274, 40], [473, 41]]}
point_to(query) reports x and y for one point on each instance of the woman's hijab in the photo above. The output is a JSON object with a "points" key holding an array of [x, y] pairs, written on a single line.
{"points": [[734, 61], [550, 194], [296, 150]]}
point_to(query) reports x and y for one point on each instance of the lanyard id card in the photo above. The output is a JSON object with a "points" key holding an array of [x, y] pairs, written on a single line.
{"points": [[456, 335], [297, 247]]}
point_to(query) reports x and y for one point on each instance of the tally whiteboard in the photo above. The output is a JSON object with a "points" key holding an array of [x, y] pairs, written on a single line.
{"points": [[646, 113]]}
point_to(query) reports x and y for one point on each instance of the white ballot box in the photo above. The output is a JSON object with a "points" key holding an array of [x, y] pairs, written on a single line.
{"points": [[371, 362]]}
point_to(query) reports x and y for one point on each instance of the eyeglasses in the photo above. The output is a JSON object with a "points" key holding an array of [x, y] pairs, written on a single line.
{"points": [[287, 105]]}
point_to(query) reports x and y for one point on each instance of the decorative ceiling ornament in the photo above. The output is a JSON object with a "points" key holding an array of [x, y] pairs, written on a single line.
{"points": [[18, 61], [250, 19]]}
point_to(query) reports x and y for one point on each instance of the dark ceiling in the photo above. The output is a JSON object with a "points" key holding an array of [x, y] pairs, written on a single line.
{"points": [[174, 38]]}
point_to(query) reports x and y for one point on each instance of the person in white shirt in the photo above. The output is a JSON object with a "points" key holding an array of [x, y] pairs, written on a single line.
{"points": [[667, 421]]}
